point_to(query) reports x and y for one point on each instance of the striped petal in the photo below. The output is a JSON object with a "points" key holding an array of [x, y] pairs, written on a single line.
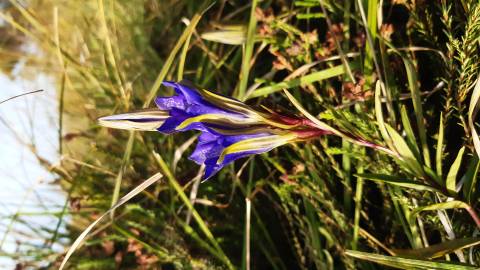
{"points": [[143, 120]]}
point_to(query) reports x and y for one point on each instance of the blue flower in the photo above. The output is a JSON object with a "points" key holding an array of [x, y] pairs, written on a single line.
{"points": [[198, 109], [216, 150], [230, 129]]}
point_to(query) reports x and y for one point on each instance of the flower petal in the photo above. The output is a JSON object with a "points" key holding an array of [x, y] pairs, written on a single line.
{"points": [[212, 166], [168, 103], [144, 120]]}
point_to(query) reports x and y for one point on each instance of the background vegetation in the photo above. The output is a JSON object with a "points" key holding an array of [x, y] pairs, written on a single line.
{"points": [[398, 73]]}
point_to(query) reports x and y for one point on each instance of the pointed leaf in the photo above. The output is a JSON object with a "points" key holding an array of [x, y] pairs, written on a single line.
{"points": [[417, 106], [470, 179], [405, 263], [405, 152], [379, 116], [437, 206], [304, 80], [439, 250], [439, 153], [409, 131], [398, 181], [452, 173], [472, 112]]}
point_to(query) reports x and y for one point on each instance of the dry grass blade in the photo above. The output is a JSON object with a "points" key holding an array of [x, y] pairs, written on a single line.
{"points": [[79, 241], [21, 95], [247, 232], [180, 150], [196, 216]]}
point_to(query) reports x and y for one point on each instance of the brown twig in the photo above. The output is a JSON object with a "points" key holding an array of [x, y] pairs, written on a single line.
{"points": [[24, 94]]}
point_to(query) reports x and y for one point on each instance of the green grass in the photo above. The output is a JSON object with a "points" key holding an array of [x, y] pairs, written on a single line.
{"points": [[331, 203]]}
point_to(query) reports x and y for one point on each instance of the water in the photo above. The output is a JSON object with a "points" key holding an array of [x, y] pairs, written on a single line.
{"points": [[26, 186]]}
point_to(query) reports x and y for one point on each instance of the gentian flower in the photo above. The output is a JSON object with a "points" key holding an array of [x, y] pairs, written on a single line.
{"points": [[230, 129]]}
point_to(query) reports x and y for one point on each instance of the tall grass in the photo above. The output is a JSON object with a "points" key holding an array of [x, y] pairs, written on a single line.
{"points": [[370, 69]]}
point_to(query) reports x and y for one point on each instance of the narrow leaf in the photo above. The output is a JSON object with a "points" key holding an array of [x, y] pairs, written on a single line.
{"points": [[470, 179], [245, 69], [439, 153], [439, 250], [452, 173], [417, 106], [307, 79], [405, 263], [80, 239], [196, 216], [405, 152], [472, 112], [379, 116], [409, 131], [398, 181]]}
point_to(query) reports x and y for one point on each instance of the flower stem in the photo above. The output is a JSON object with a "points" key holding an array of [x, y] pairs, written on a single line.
{"points": [[474, 215]]}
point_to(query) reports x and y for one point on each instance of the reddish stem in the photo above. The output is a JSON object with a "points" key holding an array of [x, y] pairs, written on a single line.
{"points": [[474, 215]]}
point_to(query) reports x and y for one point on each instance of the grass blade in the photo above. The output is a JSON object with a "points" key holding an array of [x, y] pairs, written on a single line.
{"points": [[470, 182], [252, 28], [20, 95], [417, 106], [168, 63], [472, 112], [398, 181], [307, 79], [452, 173], [405, 263], [439, 152], [405, 152], [379, 116], [409, 132], [439, 250], [203, 226], [79, 241]]}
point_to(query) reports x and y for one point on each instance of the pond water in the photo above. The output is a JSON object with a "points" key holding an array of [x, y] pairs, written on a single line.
{"points": [[27, 188]]}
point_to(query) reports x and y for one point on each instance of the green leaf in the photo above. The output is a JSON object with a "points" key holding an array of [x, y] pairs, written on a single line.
{"points": [[470, 179], [247, 57], [472, 112], [409, 131], [438, 250], [379, 116], [417, 106], [406, 263], [452, 173], [196, 216], [439, 153], [307, 79], [171, 57], [398, 181], [437, 206], [372, 29], [405, 152]]}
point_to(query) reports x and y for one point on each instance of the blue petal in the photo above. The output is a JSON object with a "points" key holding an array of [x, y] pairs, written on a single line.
{"points": [[207, 146], [211, 166], [190, 100], [211, 144], [190, 94], [175, 119], [168, 103]]}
